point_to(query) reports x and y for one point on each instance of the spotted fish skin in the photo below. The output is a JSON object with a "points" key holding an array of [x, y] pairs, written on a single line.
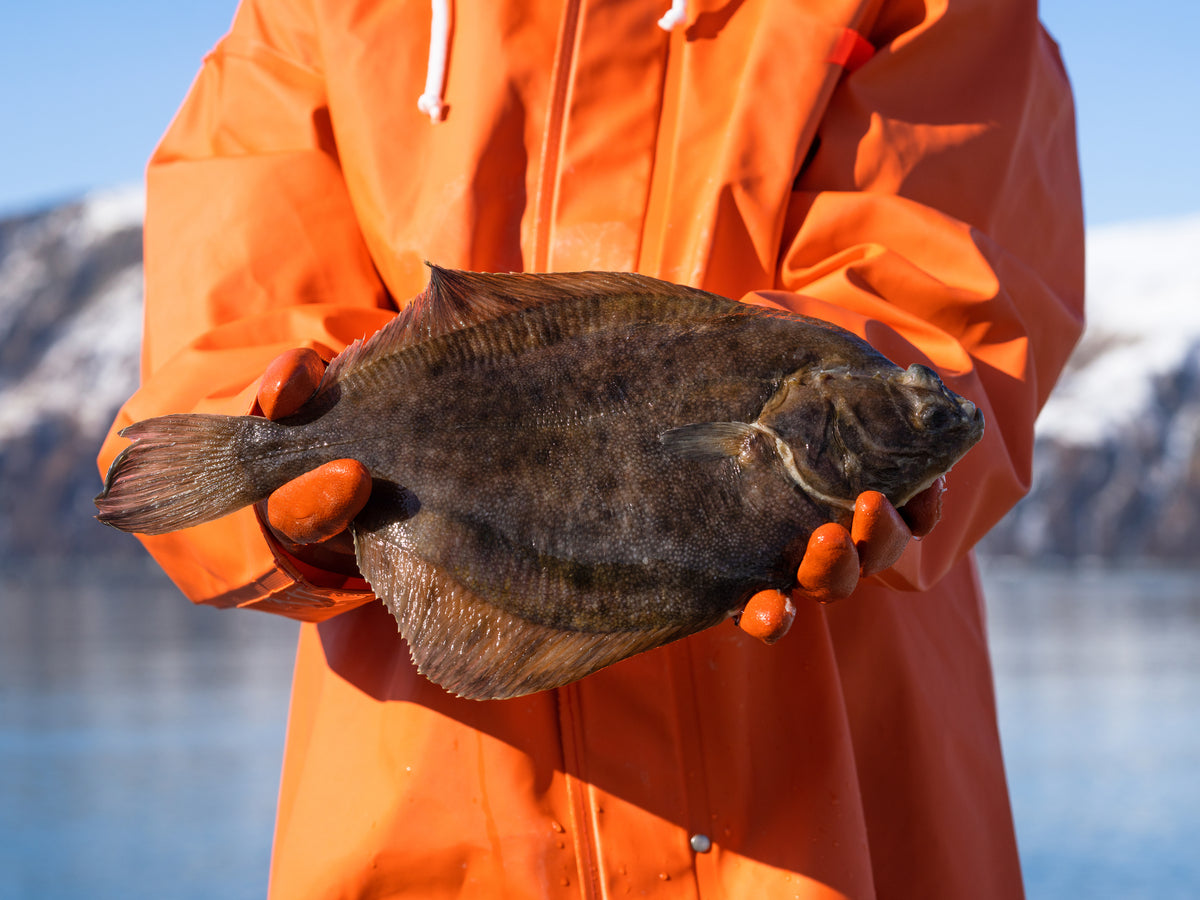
{"points": [[571, 468]]}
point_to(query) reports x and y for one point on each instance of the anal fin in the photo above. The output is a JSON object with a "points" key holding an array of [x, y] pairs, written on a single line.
{"points": [[475, 649]]}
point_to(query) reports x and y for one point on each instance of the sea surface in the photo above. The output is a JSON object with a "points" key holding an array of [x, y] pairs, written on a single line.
{"points": [[1098, 683], [140, 738]]}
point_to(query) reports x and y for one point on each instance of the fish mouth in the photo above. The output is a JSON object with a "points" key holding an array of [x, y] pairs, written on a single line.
{"points": [[971, 414], [974, 416], [924, 378]]}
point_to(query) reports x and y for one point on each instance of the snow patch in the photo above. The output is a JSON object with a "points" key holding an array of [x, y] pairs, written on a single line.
{"points": [[88, 371], [1143, 313], [113, 209]]}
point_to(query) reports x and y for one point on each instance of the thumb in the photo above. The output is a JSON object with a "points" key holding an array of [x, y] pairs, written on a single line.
{"points": [[290, 379], [320, 503]]}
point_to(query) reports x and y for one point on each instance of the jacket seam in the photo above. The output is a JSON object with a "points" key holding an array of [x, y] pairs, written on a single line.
{"points": [[546, 201], [570, 732]]}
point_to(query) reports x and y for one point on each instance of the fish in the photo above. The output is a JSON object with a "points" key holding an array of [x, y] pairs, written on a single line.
{"points": [[569, 468]]}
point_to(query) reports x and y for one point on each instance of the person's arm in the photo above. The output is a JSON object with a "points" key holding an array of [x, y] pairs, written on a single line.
{"points": [[251, 248], [940, 218]]}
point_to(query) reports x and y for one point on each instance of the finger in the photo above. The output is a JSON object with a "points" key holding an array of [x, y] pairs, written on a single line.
{"points": [[767, 616], [829, 570], [290, 379], [923, 511], [878, 531], [320, 503]]}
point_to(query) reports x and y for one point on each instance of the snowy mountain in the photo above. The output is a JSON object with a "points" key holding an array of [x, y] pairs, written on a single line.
{"points": [[70, 326], [1117, 463], [1117, 467]]}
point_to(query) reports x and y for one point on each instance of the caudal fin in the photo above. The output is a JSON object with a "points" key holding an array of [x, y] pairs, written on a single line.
{"points": [[180, 470]]}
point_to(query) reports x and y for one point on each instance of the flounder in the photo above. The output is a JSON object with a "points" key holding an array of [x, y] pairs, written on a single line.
{"points": [[569, 468]]}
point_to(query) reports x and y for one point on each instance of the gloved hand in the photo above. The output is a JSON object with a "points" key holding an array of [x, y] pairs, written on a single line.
{"points": [[309, 515], [836, 558]]}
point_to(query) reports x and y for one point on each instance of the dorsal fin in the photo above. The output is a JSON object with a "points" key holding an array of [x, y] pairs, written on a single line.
{"points": [[456, 299], [448, 303]]}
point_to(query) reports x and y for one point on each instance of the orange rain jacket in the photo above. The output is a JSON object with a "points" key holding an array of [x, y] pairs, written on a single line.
{"points": [[926, 197]]}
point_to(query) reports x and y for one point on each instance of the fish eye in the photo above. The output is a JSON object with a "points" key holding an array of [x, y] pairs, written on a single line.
{"points": [[934, 416]]}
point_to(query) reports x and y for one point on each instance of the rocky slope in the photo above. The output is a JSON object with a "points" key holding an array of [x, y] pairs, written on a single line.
{"points": [[1117, 464], [70, 323], [1117, 471]]}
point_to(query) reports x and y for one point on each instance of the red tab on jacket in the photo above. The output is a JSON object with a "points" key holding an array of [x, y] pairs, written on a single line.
{"points": [[851, 50]]}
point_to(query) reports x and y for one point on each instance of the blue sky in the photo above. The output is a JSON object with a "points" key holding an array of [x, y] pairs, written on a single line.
{"points": [[86, 89]]}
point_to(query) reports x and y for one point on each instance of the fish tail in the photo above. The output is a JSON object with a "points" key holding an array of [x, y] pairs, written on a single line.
{"points": [[184, 470]]}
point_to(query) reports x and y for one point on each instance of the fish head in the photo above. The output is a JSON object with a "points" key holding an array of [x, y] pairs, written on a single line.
{"points": [[882, 428]]}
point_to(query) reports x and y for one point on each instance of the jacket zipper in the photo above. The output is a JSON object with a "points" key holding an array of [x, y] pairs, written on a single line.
{"points": [[570, 722]]}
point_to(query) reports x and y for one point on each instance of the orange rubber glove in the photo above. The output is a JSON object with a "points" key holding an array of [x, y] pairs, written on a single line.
{"points": [[309, 516], [836, 558]]}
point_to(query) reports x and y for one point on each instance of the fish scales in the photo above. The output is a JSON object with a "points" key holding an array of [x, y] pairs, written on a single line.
{"points": [[573, 468]]}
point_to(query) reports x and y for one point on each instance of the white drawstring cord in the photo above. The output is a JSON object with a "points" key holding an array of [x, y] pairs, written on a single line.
{"points": [[430, 102], [675, 16]]}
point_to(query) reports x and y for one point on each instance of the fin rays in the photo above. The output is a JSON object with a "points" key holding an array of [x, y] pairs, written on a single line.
{"points": [[455, 300], [477, 650]]}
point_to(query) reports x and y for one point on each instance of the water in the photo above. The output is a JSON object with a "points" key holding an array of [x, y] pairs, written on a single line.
{"points": [[140, 738], [1098, 681]]}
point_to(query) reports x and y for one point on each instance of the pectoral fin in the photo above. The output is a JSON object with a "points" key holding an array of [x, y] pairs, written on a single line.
{"points": [[708, 440]]}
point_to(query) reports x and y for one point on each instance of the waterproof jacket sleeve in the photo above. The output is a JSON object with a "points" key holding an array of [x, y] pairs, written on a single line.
{"points": [[939, 215], [251, 248]]}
